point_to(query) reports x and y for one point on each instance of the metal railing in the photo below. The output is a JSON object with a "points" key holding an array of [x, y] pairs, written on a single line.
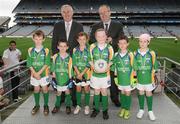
{"points": [[171, 76], [167, 81], [23, 73]]}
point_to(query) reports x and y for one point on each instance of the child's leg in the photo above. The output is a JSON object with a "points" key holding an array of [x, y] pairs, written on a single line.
{"points": [[122, 98], [149, 99], [96, 99], [78, 95], [141, 99], [127, 100], [104, 99], [46, 95], [68, 98], [36, 95], [87, 95], [58, 99]]}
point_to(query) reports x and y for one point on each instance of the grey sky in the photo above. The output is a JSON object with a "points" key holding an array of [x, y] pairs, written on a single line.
{"points": [[6, 8]]}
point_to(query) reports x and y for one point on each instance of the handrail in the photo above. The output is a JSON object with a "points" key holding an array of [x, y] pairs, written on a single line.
{"points": [[13, 66]]}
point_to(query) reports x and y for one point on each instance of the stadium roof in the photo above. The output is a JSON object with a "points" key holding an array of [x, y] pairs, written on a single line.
{"points": [[4, 20]]}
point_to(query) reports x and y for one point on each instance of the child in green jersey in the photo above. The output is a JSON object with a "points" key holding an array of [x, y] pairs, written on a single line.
{"points": [[82, 71], [62, 72], [123, 67], [38, 60], [101, 54], [145, 65]]}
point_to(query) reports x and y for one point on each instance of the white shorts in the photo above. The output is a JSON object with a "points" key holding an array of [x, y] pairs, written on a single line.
{"points": [[125, 88], [42, 82], [83, 84], [98, 83], [145, 87], [62, 88]]}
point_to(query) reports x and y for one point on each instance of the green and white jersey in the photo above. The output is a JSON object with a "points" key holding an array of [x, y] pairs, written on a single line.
{"points": [[106, 54], [38, 59], [145, 66], [81, 60], [62, 68], [123, 66]]}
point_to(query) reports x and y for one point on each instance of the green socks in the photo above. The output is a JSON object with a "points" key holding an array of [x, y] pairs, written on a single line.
{"points": [[141, 101], [36, 97], [149, 102], [122, 98], [87, 98], [46, 98], [104, 103], [96, 101], [58, 100], [68, 100], [127, 102], [78, 97]]}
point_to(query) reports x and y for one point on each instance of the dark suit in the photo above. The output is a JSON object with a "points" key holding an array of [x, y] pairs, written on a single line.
{"points": [[114, 31], [59, 32]]}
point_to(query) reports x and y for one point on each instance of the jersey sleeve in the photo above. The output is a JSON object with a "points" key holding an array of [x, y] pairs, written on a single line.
{"points": [[111, 53], [113, 66], [5, 54], [135, 67], [70, 69], [89, 59], [154, 60], [74, 58], [29, 58], [91, 52], [52, 67], [48, 57]]}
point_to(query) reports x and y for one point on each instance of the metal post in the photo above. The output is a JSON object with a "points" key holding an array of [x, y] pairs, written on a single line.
{"points": [[164, 74]]}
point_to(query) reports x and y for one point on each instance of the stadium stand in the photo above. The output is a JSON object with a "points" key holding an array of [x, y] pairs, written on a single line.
{"points": [[4, 20], [157, 17]]}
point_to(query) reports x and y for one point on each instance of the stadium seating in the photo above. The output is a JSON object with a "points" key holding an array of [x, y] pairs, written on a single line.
{"points": [[157, 17]]}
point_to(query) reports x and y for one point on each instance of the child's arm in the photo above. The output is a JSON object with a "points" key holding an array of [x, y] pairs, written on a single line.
{"points": [[111, 55], [47, 61]]}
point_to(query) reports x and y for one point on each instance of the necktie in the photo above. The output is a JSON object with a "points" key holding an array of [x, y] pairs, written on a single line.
{"points": [[67, 30], [106, 27]]}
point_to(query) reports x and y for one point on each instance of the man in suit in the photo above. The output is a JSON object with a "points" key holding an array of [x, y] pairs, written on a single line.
{"points": [[66, 29], [113, 29]]}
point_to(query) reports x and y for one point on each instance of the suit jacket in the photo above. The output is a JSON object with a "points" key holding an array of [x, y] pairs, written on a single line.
{"points": [[59, 33], [115, 30]]}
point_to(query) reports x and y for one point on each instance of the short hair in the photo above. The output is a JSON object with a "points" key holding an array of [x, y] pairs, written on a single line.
{"points": [[39, 33], [66, 5], [145, 36], [80, 34], [99, 30], [123, 37], [62, 41], [105, 5], [12, 41]]}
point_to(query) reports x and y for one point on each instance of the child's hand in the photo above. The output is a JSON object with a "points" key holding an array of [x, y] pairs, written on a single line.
{"points": [[36, 76], [79, 76]]}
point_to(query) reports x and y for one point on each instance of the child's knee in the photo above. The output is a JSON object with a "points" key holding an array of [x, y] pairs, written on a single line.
{"points": [[78, 88], [36, 89], [148, 93]]}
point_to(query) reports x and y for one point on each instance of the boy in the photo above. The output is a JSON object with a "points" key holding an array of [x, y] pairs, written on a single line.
{"points": [[62, 72], [101, 55], [145, 65], [38, 60], [123, 66], [82, 71]]}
